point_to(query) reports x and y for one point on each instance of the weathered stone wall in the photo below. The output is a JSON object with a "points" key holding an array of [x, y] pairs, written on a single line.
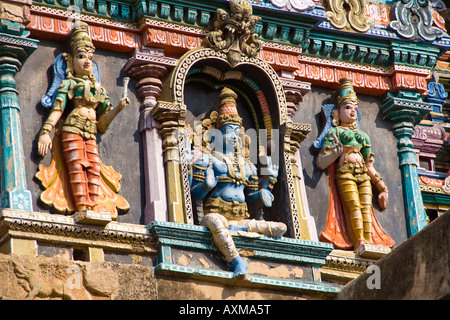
{"points": [[119, 147], [24, 277], [384, 144]]}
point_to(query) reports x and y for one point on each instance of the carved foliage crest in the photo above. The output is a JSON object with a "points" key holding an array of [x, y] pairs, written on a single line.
{"points": [[233, 33]]}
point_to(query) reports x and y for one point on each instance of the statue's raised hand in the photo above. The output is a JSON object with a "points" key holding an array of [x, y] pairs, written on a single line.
{"points": [[210, 178], [269, 169], [124, 102], [336, 145], [329, 154]]}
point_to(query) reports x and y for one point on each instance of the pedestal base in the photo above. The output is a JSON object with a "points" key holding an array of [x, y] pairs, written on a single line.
{"points": [[372, 251], [188, 251], [343, 266], [92, 217], [90, 237]]}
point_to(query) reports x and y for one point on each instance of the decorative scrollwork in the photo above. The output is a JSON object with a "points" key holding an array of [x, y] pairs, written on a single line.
{"points": [[413, 19], [234, 34], [347, 14]]}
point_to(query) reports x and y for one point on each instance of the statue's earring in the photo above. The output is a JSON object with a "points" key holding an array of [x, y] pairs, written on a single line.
{"points": [[335, 121], [69, 69]]}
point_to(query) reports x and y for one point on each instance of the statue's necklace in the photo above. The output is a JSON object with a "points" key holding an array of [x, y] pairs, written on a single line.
{"points": [[236, 168]]}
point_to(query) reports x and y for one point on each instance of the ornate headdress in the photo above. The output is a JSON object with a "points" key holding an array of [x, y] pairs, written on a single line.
{"points": [[227, 109], [80, 38], [346, 92]]}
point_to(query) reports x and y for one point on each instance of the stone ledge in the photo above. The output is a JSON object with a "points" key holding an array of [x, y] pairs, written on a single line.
{"points": [[63, 230], [187, 251], [199, 237], [252, 281], [343, 266]]}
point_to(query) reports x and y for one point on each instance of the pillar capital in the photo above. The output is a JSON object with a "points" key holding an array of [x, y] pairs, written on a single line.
{"points": [[404, 106], [294, 90], [14, 41]]}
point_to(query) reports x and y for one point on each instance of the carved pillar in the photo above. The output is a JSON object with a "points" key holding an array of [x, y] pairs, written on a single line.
{"points": [[148, 66], [15, 48], [171, 118], [405, 109], [294, 91]]}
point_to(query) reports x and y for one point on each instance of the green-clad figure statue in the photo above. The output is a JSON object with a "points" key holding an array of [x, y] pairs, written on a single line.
{"points": [[77, 180]]}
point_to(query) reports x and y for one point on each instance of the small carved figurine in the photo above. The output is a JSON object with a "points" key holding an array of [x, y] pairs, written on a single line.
{"points": [[77, 180], [226, 180], [346, 152]]}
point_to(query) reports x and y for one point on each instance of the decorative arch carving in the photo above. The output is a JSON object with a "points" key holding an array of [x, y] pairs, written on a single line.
{"points": [[231, 50], [180, 73], [171, 113]]}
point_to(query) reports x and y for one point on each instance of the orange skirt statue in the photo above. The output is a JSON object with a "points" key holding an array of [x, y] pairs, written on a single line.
{"points": [[92, 181]]}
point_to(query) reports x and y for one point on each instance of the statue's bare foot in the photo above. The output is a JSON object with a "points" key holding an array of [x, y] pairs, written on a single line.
{"points": [[239, 267]]}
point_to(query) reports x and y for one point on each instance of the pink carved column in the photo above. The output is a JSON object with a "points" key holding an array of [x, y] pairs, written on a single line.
{"points": [[148, 66], [294, 91]]}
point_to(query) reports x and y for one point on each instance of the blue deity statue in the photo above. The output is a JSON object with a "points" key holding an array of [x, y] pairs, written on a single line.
{"points": [[226, 180]]}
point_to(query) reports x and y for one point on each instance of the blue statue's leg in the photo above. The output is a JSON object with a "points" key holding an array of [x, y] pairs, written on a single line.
{"points": [[269, 228], [218, 225], [234, 227]]}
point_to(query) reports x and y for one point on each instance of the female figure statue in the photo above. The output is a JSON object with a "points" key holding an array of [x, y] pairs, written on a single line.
{"points": [[226, 179], [77, 180], [346, 152]]}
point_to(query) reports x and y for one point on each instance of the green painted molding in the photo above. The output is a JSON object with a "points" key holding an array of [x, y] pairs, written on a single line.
{"points": [[404, 106], [280, 249], [252, 281], [436, 198], [172, 235]]}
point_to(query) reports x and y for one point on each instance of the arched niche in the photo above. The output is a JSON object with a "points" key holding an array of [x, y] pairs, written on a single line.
{"points": [[190, 91]]}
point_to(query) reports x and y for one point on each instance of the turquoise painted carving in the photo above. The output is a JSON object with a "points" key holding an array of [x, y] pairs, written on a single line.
{"points": [[13, 53], [436, 98]]}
